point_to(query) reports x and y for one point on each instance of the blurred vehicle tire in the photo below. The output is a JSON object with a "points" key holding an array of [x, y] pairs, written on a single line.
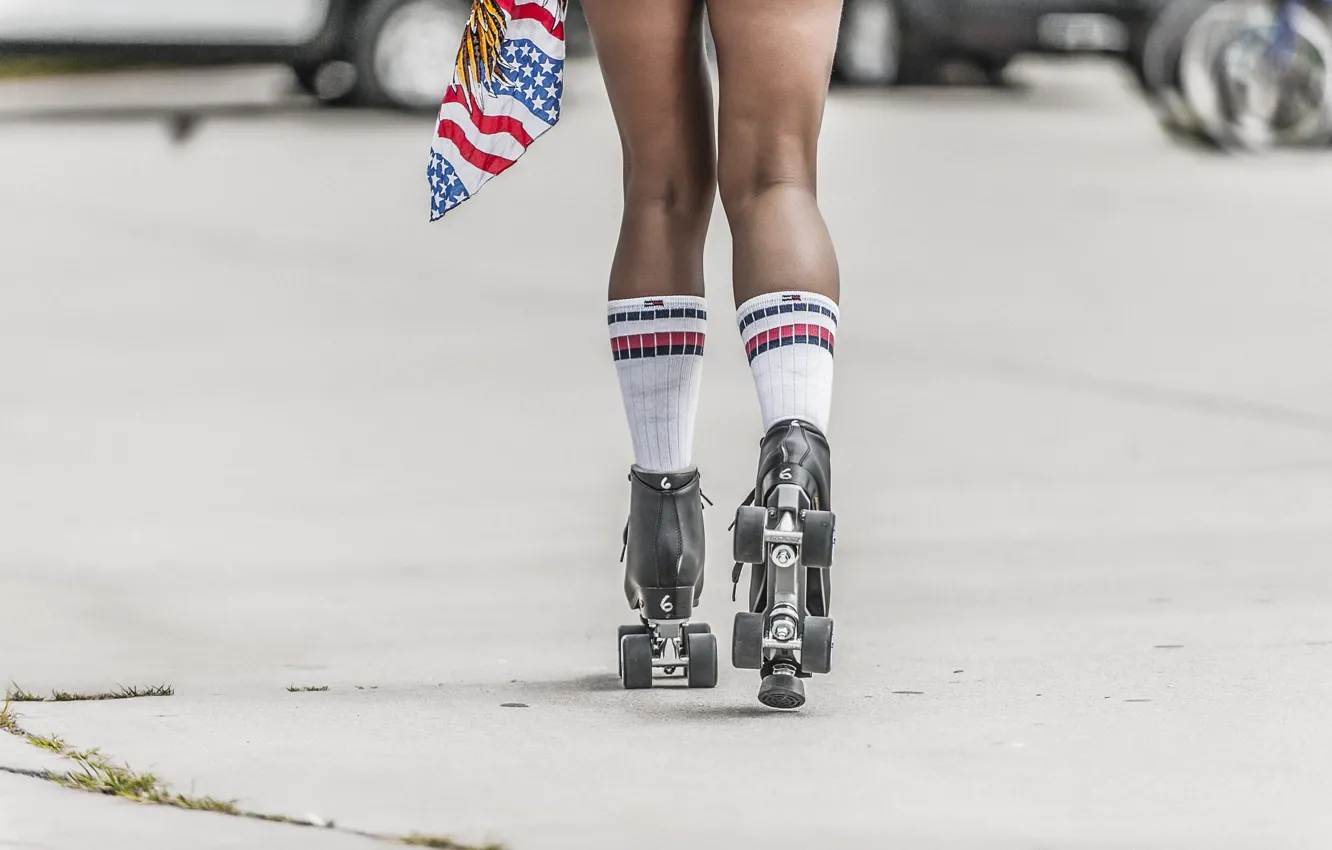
{"points": [[1158, 67], [869, 48], [332, 83], [404, 52], [1238, 99]]}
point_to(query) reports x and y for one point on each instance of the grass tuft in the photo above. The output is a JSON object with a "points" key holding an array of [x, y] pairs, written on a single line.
{"points": [[53, 743], [153, 691], [119, 693], [294, 689], [9, 721], [202, 804], [95, 773], [17, 694], [418, 840]]}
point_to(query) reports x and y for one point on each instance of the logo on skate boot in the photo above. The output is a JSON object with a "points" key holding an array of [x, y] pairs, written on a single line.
{"points": [[785, 474], [665, 483], [667, 606], [654, 302]]}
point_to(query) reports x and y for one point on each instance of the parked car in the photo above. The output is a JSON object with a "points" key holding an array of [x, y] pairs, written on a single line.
{"points": [[887, 42], [1243, 74], [380, 52]]}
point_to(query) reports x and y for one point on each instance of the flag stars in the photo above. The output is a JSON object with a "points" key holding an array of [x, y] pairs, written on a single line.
{"points": [[446, 189], [531, 77]]}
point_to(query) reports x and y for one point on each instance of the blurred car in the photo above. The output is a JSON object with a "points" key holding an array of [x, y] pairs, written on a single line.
{"points": [[1243, 74], [378, 52], [886, 42]]}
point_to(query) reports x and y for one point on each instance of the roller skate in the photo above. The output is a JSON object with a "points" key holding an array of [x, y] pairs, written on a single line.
{"points": [[786, 531], [663, 578]]}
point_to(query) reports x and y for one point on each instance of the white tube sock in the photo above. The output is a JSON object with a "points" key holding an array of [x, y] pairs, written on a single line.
{"points": [[789, 339], [657, 344]]}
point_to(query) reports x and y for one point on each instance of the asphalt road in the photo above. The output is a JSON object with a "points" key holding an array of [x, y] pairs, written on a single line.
{"points": [[261, 425]]}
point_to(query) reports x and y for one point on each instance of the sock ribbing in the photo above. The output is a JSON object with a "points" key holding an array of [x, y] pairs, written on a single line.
{"points": [[657, 345], [789, 339]]}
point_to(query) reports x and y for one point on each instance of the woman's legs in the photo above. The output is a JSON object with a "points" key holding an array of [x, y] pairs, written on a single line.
{"points": [[651, 54], [774, 59], [652, 58]]}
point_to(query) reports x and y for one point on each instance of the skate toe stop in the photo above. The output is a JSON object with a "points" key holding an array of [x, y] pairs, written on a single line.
{"points": [[782, 690]]}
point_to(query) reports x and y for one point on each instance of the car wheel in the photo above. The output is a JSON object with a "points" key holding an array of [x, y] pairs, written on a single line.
{"points": [[869, 48], [331, 83], [1240, 99], [1158, 69], [1158, 66], [405, 51]]}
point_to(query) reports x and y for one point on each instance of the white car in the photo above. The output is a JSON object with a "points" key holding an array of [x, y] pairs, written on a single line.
{"points": [[396, 53]]}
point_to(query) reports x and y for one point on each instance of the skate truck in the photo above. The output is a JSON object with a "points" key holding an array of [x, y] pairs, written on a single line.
{"points": [[788, 542], [1243, 75]]}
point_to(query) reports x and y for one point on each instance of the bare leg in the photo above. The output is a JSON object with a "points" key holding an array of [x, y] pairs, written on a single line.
{"points": [[774, 59], [652, 58], [651, 54]]}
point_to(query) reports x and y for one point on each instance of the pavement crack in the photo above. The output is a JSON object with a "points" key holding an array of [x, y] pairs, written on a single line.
{"points": [[98, 774], [31, 774]]}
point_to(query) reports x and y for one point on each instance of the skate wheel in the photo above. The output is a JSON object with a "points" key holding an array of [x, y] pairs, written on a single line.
{"points": [[747, 543], [819, 538], [816, 645], [636, 661], [782, 690], [619, 643], [698, 628], [747, 641], [702, 649]]}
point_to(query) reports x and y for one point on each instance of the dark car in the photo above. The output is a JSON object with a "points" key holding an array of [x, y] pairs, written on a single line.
{"points": [[400, 52], [885, 42], [389, 52]]}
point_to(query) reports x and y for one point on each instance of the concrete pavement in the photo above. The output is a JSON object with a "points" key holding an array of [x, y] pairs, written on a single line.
{"points": [[261, 426]]}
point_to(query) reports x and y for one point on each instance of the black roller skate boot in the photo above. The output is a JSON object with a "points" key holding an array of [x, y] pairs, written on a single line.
{"points": [[663, 578], [787, 531]]}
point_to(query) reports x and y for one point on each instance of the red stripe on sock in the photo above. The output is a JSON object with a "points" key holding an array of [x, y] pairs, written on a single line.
{"points": [[633, 342], [778, 334]]}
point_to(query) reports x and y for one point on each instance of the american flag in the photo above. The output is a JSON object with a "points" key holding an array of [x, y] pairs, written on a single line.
{"points": [[506, 92]]}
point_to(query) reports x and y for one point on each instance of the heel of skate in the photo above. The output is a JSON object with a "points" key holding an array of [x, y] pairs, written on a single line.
{"points": [[668, 646]]}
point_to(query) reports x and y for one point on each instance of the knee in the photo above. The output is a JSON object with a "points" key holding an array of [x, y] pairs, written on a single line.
{"points": [[747, 174], [681, 196]]}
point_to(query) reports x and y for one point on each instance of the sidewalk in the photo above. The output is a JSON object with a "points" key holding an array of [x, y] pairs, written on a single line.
{"points": [[1083, 442]]}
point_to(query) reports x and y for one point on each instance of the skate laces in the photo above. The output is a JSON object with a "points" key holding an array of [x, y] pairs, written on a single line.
{"points": [[739, 568]]}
